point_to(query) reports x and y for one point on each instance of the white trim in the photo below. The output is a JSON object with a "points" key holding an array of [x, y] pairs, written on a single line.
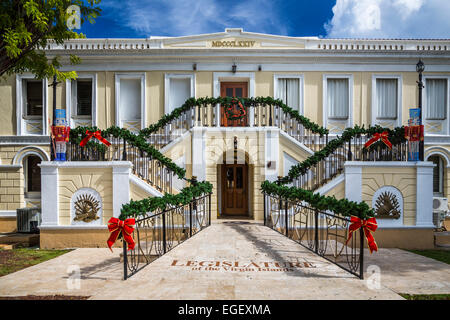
{"points": [[20, 107], [388, 164], [424, 195], [295, 142], [374, 117], [331, 185], [327, 76], [167, 77], [131, 75], [69, 99], [11, 167], [301, 86], [296, 64], [8, 214], [144, 186], [72, 227], [34, 150], [85, 164], [440, 152], [219, 77], [446, 121]]}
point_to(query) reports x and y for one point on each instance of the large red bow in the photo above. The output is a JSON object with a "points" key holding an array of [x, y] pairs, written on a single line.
{"points": [[377, 136], [368, 226], [97, 134], [116, 226]]}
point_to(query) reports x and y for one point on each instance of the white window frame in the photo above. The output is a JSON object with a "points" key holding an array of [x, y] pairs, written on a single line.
{"points": [[167, 77], [70, 105], [301, 84], [446, 122], [398, 120], [131, 75], [325, 97], [20, 108]]}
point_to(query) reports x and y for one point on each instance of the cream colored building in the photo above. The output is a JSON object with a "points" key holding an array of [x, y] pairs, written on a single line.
{"points": [[132, 83]]}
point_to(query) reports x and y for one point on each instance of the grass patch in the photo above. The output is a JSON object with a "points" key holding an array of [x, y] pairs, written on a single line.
{"points": [[425, 296], [440, 255], [18, 259]]}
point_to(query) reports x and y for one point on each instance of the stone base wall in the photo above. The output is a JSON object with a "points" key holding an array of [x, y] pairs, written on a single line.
{"points": [[8, 224], [75, 238], [405, 238]]}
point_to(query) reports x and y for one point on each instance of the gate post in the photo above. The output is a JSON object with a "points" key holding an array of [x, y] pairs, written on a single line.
{"points": [[164, 231], [316, 231], [125, 260]]}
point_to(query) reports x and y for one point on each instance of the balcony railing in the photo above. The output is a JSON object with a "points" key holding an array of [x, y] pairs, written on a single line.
{"points": [[324, 233], [159, 232]]}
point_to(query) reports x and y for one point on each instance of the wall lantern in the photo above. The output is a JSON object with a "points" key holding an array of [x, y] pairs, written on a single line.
{"points": [[233, 68]]}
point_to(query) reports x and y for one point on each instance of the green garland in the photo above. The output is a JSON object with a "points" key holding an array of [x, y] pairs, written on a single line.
{"points": [[191, 103], [396, 136], [141, 207], [77, 134], [315, 200]]}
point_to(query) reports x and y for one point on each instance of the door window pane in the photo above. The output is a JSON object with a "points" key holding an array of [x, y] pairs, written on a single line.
{"points": [[239, 178], [337, 98], [33, 97], [238, 92], [229, 92], [387, 98], [230, 178], [437, 174], [436, 99]]}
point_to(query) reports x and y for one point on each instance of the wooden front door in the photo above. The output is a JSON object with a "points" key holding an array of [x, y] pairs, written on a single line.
{"points": [[234, 189], [233, 89]]}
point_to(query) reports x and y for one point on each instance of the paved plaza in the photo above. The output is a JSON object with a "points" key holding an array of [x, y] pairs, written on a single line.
{"points": [[229, 260]]}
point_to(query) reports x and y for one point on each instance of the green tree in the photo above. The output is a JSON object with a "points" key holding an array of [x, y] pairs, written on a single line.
{"points": [[27, 26]]}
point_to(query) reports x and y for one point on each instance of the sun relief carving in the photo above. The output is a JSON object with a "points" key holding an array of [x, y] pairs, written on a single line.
{"points": [[387, 206], [86, 208]]}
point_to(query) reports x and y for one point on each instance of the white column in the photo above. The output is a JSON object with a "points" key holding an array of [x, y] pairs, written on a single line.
{"points": [[218, 115], [252, 116], [424, 194], [198, 154], [272, 154], [49, 193], [353, 182], [121, 185]]}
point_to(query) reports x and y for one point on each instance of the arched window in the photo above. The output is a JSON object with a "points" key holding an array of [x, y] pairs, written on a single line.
{"points": [[438, 175], [32, 174]]}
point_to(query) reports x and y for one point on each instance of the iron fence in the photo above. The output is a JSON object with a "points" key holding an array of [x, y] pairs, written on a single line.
{"points": [[158, 233], [324, 233], [152, 171]]}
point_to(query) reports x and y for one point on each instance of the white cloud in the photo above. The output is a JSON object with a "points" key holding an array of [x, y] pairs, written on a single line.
{"points": [[390, 19], [188, 17]]}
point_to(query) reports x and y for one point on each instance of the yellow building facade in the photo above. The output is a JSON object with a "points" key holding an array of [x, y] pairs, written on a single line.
{"points": [[132, 83]]}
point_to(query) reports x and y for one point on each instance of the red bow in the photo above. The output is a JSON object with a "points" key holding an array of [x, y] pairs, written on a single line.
{"points": [[368, 226], [116, 226], [97, 134], [377, 136]]}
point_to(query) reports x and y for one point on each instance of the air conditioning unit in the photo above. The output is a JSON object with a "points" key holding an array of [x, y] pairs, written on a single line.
{"points": [[440, 210], [28, 220]]}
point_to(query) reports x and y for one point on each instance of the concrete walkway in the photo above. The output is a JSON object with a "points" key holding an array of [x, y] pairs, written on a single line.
{"points": [[229, 260]]}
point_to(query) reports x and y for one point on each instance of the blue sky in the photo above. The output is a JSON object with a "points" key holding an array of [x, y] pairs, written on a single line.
{"points": [[323, 18]]}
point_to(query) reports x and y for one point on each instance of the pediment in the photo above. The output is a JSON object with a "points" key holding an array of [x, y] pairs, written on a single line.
{"points": [[234, 39]]}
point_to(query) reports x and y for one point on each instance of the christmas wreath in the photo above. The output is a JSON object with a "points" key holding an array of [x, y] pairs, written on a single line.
{"points": [[234, 110]]}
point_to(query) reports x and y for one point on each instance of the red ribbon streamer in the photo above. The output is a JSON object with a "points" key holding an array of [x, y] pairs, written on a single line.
{"points": [[368, 226], [97, 134], [117, 226], [377, 136]]}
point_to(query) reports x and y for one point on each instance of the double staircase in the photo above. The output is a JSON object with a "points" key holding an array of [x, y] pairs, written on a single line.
{"points": [[177, 214]]}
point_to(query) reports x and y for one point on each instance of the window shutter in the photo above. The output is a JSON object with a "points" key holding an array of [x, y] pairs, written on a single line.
{"points": [[387, 98], [338, 98], [436, 99], [84, 97]]}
